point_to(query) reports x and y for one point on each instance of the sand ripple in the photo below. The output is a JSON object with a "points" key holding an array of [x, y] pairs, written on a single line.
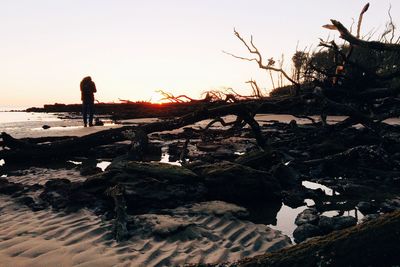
{"points": [[48, 238]]}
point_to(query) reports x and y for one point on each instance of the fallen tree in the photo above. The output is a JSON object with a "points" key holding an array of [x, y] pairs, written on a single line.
{"points": [[374, 243], [367, 106]]}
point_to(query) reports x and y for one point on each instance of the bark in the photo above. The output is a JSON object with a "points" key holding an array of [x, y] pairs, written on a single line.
{"points": [[375, 45], [374, 243], [22, 151]]}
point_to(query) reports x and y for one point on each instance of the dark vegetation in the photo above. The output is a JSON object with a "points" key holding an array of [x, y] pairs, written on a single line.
{"points": [[357, 157]]}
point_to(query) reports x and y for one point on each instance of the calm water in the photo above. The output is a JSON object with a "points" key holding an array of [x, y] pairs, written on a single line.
{"points": [[29, 124]]}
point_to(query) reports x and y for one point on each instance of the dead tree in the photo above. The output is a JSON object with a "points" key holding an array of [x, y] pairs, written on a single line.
{"points": [[270, 66], [20, 151], [120, 230], [369, 106]]}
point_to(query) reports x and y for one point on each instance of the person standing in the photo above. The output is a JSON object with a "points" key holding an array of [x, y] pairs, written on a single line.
{"points": [[88, 88]]}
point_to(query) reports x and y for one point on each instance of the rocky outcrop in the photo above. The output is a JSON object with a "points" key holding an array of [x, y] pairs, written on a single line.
{"points": [[374, 243], [311, 224], [149, 185], [238, 183], [307, 216], [329, 224], [306, 231], [261, 160]]}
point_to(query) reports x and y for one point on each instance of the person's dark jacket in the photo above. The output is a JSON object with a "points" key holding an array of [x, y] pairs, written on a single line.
{"points": [[88, 88]]}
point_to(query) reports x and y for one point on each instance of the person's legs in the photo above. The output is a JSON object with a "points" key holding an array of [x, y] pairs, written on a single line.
{"points": [[84, 113], [91, 112]]}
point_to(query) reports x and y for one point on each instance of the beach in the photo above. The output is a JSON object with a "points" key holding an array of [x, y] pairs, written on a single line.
{"points": [[202, 232], [217, 233]]}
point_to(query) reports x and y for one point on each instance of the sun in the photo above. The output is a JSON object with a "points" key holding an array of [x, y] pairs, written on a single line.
{"points": [[157, 98]]}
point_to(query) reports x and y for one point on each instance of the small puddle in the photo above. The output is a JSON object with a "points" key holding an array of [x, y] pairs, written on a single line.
{"points": [[70, 127], [75, 162], [165, 157], [353, 213], [103, 164], [286, 216], [312, 185]]}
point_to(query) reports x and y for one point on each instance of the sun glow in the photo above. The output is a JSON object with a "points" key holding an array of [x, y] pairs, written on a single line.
{"points": [[157, 98]]}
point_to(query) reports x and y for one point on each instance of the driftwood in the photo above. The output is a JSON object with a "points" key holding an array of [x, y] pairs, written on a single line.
{"points": [[120, 229], [366, 106], [369, 244], [20, 151], [376, 45]]}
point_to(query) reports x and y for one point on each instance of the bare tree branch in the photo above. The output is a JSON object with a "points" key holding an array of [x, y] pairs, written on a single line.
{"points": [[259, 59], [360, 18], [346, 35]]}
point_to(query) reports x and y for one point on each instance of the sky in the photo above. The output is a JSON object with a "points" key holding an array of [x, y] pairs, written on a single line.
{"points": [[131, 48]]}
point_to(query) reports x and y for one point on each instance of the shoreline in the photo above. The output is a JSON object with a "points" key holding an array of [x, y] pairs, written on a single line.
{"points": [[225, 149]]}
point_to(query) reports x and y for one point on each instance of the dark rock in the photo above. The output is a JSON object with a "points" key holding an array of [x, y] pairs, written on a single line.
{"points": [[152, 153], [234, 182], [56, 193], [329, 224], [305, 231], [391, 205], [356, 190], [111, 150], [45, 127], [368, 156], [87, 170], [148, 185], [89, 167], [260, 160], [370, 217], [36, 187], [395, 181], [307, 216], [223, 154], [57, 184], [207, 147], [293, 124], [366, 207], [374, 243], [328, 147], [98, 122], [28, 201], [287, 176], [344, 222], [9, 188], [293, 198]]}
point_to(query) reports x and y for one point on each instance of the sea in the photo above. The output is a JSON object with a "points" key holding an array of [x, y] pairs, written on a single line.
{"points": [[20, 124]]}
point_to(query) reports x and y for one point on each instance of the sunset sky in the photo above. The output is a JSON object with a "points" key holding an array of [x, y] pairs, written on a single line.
{"points": [[133, 48]]}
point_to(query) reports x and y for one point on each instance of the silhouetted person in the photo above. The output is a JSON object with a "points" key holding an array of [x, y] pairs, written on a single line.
{"points": [[88, 88]]}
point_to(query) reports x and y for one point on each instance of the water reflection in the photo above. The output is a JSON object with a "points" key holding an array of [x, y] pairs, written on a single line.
{"points": [[165, 157], [277, 215], [103, 165], [75, 162], [354, 213], [312, 185]]}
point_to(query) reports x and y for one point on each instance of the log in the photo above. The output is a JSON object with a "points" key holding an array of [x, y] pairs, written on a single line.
{"points": [[374, 243], [21, 151], [375, 45], [31, 150]]}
